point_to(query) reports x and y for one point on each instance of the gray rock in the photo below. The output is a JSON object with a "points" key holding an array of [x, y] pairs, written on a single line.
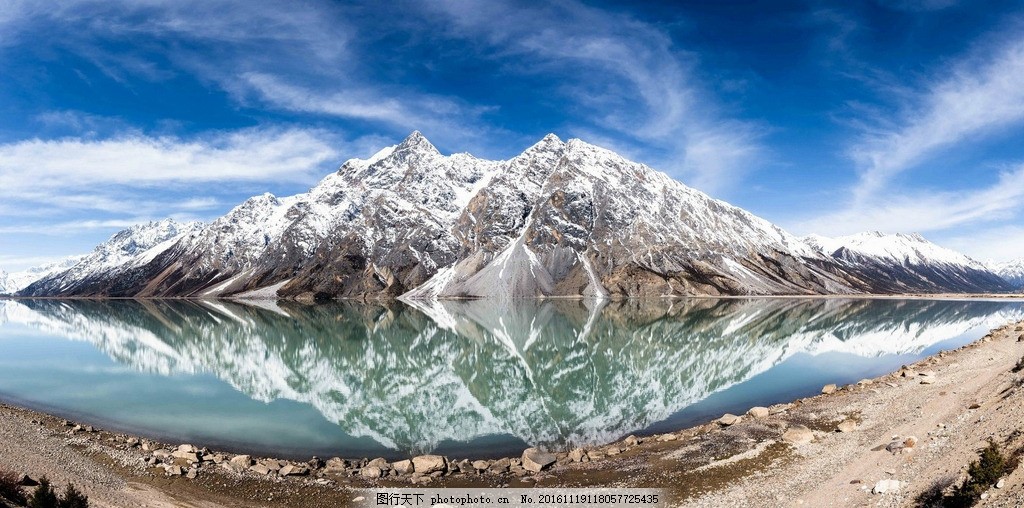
{"points": [[501, 465], [261, 469], [798, 435], [427, 464], [379, 462], [829, 388], [187, 448], [337, 465], [372, 472], [632, 440], [758, 412], [481, 465], [536, 460]]}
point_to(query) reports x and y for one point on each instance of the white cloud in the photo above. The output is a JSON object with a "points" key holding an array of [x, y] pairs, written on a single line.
{"points": [[975, 99], [1000, 243], [927, 211], [247, 155]]}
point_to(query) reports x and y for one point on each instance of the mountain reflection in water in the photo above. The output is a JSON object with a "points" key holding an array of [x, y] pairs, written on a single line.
{"points": [[549, 373]]}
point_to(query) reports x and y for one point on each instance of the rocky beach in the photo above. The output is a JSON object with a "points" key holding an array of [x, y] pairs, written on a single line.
{"points": [[885, 441]]}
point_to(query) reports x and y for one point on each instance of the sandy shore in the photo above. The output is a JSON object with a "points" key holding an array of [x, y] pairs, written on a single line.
{"points": [[968, 396]]}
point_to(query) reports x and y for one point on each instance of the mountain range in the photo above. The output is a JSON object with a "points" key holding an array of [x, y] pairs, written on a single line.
{"points": [[563, 218]]}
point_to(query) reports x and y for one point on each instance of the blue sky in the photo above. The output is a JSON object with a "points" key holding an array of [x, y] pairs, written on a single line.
{"points": [[824, 117]]}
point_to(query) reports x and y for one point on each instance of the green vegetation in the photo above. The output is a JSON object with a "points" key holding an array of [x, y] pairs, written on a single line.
{"points": [[981, 475], [44, 496]]}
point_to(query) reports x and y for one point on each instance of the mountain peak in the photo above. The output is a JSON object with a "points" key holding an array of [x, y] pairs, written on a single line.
{"points": [[416, 142]]}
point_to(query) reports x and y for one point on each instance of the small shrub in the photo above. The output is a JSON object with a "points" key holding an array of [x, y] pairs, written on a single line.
{"points": [[73, 498], [44, 496], [10, 488], [981, 474], [1019, 367]]}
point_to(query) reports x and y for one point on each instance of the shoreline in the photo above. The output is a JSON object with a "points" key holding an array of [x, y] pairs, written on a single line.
{"points": [[729, 461]]}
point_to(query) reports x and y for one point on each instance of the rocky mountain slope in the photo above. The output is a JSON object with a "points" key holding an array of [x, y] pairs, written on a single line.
{"points": [[902, 263], [560, 219]]}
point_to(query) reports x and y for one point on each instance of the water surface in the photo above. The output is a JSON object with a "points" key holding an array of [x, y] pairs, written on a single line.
{"points": [[466, 378]]}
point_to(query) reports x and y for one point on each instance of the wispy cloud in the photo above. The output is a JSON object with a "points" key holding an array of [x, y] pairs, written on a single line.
{"points": [[626, 76], [974, 99]]}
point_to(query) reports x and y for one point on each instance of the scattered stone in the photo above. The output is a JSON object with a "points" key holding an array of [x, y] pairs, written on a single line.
{"points": [[728, 420], [927, 380], [481, 465], [189, 456], [187, 448], [910, 442], [192, 473], [667, 437], [132, 442], [577, 455], [631, 440], [847, 426], [315, 463], [908, 373], [76, 428], [974, 406], [402, 466], [829, 388], [161, 454], [798, 435], [372, 472], [260, 469], [865, 382], [148, 446], [293, 470], [1001, 483], [758, 412], [173, 470], [536, 460], [779, 408], [90, 429], [885, 486], [594, 455], [427, 464], [612, 450], [894, 447]]}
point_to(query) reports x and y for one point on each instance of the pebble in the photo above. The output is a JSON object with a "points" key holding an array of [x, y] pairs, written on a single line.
{"points": [[885, 486]]}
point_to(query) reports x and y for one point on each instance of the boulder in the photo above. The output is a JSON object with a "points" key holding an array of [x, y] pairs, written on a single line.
{"points": [[501, 465], [667, 437], [612, 450], [337, 465], [758, 412], [402, 466], [293, 470], [173, 470], [192, 473], [481, 465], [161, 454], [427, 464], [240, 462], [535, 460], [371, 472], [846, 426], [132, 442], [189, 456], [378, 462], [577, 455], [829, 388], [728, 420], [798, 435], [631, 441], [187, 448], [315, 463], [260, 469]]}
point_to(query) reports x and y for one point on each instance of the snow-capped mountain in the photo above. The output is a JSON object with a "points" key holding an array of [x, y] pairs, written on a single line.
{"points": [[1012, 271], [549, 372], [900, 263], [11, 283], [560, 219], [116, 258]]}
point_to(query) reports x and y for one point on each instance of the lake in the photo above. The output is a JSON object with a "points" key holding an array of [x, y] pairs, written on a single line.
{"points": [[461, 378]]}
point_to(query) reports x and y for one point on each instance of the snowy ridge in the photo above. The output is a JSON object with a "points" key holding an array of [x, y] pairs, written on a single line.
{"points": [[1012, 271], [11, 283], [547, 372], [908, 263]]}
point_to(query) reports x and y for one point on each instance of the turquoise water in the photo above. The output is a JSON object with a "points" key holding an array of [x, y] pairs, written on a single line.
{"points": [[467, 378]]}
